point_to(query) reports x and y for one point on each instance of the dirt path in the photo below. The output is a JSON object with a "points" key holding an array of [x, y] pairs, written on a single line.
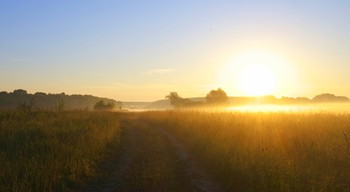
{"points": [[151, 159], [115, 165], [199, 178]]}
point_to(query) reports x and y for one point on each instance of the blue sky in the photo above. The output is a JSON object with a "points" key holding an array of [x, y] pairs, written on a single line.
{"points": [[142, 50]]}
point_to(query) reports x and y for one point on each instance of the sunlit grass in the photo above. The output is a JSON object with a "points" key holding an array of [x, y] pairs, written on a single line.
{"points": [[267, 151], [50, 151], [304, 108]]}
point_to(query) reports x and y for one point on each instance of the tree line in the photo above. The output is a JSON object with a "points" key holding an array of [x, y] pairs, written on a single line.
{"points": [[214, 97], [21, 99], [219, 97]]}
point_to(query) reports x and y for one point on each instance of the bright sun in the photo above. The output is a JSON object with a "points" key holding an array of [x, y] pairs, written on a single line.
{"points": [[257, 79], [255, 73]]}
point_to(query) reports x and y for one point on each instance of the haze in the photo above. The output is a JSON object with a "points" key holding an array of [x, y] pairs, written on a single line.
{"points": [[142, 50]]}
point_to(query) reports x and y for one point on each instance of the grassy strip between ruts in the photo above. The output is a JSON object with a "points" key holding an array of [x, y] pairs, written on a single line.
{"points": [[52, 151], [150, 163], [266, 151]]}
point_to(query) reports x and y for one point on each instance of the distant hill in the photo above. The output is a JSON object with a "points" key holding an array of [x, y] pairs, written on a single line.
{"points": [[327, 97], [269, 99], [160, 104], [50, 101], [135, 105]]}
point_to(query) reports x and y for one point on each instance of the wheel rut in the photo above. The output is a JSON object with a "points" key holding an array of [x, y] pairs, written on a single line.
{"points": [[199, 178]]}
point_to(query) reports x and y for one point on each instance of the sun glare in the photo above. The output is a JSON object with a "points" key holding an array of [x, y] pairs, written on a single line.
{"points": [[257, 72], [257, 80]]}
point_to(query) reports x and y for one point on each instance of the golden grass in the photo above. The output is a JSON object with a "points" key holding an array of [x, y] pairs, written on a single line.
{"points": [[267, 151], [50, 151]]}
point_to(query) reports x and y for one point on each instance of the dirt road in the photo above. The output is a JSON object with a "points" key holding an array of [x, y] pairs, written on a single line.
{"points": [[151, 159]]}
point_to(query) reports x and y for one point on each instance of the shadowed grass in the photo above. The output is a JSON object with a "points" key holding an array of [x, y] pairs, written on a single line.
{"points": [[50, 151]]}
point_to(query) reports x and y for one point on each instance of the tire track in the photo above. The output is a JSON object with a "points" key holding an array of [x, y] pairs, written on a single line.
{"points": [[116, 166], [199, 178]]}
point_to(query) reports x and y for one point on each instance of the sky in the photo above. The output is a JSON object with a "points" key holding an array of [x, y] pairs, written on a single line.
{"points": [[142, 50]]}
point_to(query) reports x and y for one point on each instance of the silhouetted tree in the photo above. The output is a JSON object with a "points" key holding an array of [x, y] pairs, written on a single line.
{"points": [[20, 92], [327, 97], [178, 101], [174, 98], [102, 106], [49, 101], [216, 97], [40, 94]]}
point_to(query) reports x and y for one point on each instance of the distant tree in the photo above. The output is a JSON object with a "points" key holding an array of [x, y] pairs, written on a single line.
{"points": [[174, 98], [110, 105], [40, 94], [102, 106], [178, 101], [20, 92], [327, 97], [20, 99], [218, 96]]}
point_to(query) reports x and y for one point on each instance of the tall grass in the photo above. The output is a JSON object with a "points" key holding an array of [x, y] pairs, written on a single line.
{"points": [[50, 151], [267, 151]]}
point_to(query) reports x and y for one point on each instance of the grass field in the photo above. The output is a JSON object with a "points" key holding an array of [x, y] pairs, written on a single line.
{"points": [[266, 151], [163, 150], [50, 151]]}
